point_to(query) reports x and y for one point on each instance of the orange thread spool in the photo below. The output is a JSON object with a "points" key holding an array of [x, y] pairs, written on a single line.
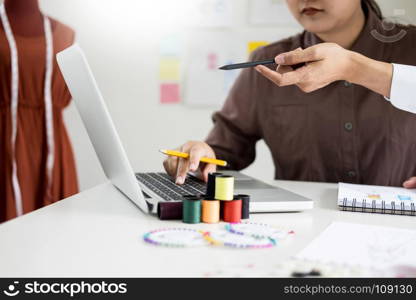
{"points": [[210, 211]]}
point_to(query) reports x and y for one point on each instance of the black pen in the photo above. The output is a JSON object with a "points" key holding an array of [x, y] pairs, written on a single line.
{"points": [[248, 64]]}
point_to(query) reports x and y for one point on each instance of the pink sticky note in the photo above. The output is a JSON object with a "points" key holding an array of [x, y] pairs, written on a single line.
{"points": [[212, 61], [169, 93]]}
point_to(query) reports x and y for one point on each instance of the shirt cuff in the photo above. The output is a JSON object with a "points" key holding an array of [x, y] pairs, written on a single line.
{"points": [[403, 88]]}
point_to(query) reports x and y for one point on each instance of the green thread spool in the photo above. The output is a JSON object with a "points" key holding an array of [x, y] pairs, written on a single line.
{"points": [[191, 213]]}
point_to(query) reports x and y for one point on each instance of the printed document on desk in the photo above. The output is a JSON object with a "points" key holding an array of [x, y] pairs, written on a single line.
{"points": [[363, 245]]}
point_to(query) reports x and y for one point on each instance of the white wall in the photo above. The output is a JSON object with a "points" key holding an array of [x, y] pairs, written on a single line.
{"points": [[120, 38]]}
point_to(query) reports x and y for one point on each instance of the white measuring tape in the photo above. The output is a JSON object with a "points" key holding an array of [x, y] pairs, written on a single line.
{"points": [[15, 101]]}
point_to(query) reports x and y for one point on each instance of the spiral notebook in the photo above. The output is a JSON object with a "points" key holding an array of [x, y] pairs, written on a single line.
{"points": [[376, 199]]}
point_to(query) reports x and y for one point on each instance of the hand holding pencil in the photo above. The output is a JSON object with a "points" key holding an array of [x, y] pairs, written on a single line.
{"points": [[199, 156]]}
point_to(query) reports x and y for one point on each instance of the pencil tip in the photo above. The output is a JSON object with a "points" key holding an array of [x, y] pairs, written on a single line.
{"points": [[162, 151], [223, 68]]}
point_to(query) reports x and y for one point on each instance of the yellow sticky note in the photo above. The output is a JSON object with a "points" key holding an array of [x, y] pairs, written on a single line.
{"points": [[253, 45], [169, 69]]}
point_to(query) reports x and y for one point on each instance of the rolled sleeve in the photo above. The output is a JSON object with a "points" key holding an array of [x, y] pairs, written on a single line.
{"points": [[403, 88]]}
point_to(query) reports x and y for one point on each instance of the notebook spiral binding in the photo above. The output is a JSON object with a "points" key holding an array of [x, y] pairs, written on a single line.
{"points": [[362, 207]]}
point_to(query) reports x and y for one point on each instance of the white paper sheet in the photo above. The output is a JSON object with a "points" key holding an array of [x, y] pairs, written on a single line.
{"points": [[211, 13], [205, 85], [270, 12], [364, 245]]}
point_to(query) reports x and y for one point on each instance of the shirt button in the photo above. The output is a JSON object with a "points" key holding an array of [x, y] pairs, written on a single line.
{"points": [[348, 126], [351, 174], [347, 84]]}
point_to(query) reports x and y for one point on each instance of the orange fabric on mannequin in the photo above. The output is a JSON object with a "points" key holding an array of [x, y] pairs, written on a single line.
{"points": [[31, 146]]}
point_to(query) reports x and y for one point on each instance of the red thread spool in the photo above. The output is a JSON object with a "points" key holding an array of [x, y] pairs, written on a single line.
{"points": [[232, 211]]}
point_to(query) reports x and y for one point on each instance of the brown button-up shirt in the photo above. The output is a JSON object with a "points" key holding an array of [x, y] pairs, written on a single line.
{"points": [[343, 132]]}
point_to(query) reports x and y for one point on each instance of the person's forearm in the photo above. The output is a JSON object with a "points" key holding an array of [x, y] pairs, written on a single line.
{"points": [[372, 74]]}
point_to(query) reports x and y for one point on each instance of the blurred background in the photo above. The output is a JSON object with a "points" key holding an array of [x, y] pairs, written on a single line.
{"points": [[156, 65]]}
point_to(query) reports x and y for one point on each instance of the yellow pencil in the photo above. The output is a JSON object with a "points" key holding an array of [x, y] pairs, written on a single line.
{"points": [[207, 160]]}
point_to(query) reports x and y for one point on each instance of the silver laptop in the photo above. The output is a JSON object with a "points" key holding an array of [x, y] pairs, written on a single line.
{"points": [[146, 189]]}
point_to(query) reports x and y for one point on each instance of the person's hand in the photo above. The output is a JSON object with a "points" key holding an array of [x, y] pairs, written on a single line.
{"points": [[324, 64], [179, 167], [410, 183]]}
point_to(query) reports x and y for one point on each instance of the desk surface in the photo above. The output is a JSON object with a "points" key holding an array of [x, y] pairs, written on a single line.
{"points": [[98, 233]]}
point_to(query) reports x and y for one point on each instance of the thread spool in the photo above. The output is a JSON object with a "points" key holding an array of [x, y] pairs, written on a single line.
{"points": [[224, 187], [191, 209], [170, 210], [210, 211], [232, 211], [210, 192], [245, 209], [222, 210]]}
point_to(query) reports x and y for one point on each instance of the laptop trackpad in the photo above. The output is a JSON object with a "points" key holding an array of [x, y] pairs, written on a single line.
{"points": [[252, 185], [271, 195], [262, 195]]}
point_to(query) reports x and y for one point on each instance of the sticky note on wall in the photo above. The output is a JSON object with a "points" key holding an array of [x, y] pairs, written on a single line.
{"points": [[171, 45], [169, 69], [253, 45], [169, 93], [212, 59]]}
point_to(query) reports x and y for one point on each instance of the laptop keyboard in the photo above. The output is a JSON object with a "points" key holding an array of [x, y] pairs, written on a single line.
{"points": [[163, 185]]}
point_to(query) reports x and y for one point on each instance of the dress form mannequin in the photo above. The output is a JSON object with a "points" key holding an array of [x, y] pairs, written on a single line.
{"points": [[25, 17], [39, 166]]}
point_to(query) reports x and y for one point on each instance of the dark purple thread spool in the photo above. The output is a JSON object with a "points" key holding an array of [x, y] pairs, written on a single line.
{"points": [[170, 210]]}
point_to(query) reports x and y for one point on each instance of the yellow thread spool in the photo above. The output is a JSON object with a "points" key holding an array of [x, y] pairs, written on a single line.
{"points": [[210, 211], [224, 187]]}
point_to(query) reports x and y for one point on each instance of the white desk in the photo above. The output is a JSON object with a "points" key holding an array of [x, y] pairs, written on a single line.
{"points": [[98, 233]]}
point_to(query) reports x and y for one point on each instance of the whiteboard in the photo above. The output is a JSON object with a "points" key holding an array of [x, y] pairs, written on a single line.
{"points": [[205, 84]]}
